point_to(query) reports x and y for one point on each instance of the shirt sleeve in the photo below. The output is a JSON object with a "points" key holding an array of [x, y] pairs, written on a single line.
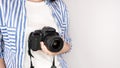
{"points": [[65, 23], [65, 16], [1, 41]]}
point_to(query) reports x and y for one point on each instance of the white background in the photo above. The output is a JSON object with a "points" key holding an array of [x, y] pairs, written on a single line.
{"points": [[95, 33]]}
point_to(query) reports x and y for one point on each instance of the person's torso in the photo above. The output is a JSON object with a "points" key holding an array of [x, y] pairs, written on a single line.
{"points": [[13, 27], [39, 15]]}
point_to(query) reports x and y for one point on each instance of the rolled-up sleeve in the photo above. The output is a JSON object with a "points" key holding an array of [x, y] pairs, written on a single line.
{"points": [[67, 38]]}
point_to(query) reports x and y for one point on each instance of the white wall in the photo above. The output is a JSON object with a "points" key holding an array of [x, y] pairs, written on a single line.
{"points": [[95, 32]]}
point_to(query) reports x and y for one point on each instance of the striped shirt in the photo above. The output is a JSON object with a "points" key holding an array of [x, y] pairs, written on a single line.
{"points": [[13, 25]]}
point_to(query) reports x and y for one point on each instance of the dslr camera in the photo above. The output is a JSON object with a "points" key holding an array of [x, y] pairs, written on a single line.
{"points": [[49, 36]]}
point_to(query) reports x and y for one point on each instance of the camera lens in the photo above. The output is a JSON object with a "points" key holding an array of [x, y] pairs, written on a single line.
{"points": [[56, 44]]}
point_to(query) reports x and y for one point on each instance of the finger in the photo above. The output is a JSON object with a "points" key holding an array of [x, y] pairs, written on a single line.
{"points": [[43, 47], [45, 50], [41, 43]]}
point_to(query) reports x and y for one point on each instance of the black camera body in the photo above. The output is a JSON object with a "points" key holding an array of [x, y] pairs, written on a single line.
{"points": [[49, 36]]}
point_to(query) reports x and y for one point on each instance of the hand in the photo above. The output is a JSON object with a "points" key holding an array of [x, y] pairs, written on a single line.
{"points": [[66, 48], [45, 50]]}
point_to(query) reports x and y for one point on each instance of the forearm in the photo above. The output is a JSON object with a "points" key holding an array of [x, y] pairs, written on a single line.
{"points": [[2, 64], [65, 48]]}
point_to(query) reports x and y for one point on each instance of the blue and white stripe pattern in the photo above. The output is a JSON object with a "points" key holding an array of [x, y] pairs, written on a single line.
{"points": [[12, 29]]}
